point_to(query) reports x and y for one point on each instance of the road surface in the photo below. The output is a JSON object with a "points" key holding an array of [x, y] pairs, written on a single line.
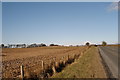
{"points": [[110, 56]]}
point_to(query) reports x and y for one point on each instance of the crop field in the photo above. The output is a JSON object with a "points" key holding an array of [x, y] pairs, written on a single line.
{"points": [[32, 58]]}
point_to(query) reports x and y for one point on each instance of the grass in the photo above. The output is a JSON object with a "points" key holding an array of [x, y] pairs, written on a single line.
{"points": [[88, 66]]}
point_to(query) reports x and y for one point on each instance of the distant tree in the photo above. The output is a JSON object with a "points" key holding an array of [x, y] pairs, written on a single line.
{"points": [[42, 44], [24, 45], [5, 46], [34, 45], [95, 45], [77, 45], [87, 44], [17, 45], [104, 43], [2, 45], [52, 45], [70, 45]]}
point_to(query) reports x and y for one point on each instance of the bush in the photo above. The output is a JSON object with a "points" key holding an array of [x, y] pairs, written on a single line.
{"points": [[54, 45], [104, 43], [2, 45], [43, 44], [87, 44]]}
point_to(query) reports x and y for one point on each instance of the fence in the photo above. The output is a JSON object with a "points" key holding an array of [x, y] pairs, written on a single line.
{"points": [[53, 67], [40, 66]]}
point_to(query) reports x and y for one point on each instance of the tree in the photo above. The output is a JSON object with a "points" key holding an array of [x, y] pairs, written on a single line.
{"points": [[42, 44], [52, 45], [2, 45], [24, 45], [17, 45], [87, 44], [104, 43]]}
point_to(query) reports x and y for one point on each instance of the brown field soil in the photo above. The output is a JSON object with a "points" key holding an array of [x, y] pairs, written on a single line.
{"points": [[31, 58]]}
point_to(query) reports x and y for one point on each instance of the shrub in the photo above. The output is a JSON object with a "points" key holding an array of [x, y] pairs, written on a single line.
{"points": [[104, 43], [87, 44]]}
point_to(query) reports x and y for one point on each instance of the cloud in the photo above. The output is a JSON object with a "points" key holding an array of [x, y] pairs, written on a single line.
{"points": [[115, 6]]}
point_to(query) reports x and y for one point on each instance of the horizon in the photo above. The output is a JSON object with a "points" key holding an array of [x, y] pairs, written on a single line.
{"points": [[62, 44], [66, 23]]}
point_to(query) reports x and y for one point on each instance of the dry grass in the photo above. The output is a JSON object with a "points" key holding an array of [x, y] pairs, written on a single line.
{"points": [[88, 66]]}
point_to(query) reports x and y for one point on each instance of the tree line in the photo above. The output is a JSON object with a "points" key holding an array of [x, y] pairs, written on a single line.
{"points": [[25, 45], [40, 45]]}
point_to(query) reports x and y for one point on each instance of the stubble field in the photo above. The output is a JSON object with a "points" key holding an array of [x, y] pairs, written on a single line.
{"points": [[31, 59]]}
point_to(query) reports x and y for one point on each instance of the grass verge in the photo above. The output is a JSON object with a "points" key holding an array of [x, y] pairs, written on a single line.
{"points": [[87, 66]]}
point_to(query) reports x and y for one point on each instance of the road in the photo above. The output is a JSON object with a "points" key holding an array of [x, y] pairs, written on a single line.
{"points": [[110, 56]]}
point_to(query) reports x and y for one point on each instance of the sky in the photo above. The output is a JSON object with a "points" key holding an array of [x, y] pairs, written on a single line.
{"points": [[59, 0], [65, 23], [0, 22]]}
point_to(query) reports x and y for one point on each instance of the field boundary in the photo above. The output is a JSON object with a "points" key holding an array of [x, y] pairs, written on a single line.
{"points": [[88, 66], [57, 67]]}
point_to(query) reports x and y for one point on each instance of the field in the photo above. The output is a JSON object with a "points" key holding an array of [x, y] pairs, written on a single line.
{"points": [[31, 59]]}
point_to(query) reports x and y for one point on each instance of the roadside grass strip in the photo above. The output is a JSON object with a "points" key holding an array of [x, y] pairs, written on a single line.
{"points": [[87, 66]]}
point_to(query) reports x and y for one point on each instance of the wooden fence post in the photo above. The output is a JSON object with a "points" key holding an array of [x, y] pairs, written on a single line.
{"points": [[22, 71], [61, 61], [68, 57], [57, 64], [42, 65], [54, 70], [64, 62], [50, 63]]}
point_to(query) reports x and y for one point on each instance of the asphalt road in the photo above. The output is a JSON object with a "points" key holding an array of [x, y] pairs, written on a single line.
{"points": [[110, 56]]}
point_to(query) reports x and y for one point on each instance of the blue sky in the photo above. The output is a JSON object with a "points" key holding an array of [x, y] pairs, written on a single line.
{"points": [[0, 22], [66, 23], [60, 0]]}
